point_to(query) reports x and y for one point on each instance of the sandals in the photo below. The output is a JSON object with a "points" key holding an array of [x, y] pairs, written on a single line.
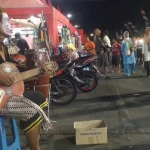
{"points": [[107, 77]]}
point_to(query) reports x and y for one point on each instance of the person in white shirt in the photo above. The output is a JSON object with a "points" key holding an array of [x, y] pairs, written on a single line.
{"points": [[146, 50], [107, 43], [106, 39]]}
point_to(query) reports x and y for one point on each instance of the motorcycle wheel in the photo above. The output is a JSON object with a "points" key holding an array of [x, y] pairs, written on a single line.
{"points": [[63, 90], [90, 79]]}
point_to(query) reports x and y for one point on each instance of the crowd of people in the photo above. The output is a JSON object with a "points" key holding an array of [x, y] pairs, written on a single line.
{"points": [[123, 52]]}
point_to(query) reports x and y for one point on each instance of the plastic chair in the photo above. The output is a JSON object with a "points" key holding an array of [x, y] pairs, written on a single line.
{"points": [[13, 142]]}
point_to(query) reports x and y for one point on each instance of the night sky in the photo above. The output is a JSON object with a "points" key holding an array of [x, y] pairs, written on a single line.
{"points": [[104, 14]]}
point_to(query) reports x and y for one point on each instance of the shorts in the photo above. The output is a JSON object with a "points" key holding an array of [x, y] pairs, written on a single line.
{"points": [[102, 60], [115, 60], [39, 99]]}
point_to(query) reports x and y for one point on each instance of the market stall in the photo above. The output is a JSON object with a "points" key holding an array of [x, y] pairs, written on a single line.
{"points": [[26, 29], [24, 9]]}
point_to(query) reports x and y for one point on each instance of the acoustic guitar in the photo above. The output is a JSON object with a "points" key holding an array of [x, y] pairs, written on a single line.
{"points": [[17, 87]]}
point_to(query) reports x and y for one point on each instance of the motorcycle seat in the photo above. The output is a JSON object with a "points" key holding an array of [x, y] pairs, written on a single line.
{"points": [[80, 59], [85, 57], [57, 56]]}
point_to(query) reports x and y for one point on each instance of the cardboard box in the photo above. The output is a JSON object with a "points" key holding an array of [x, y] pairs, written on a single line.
{"points": [[90, 132]]}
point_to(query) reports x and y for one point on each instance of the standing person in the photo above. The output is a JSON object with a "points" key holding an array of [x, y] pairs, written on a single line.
{"points": [[21, 43], [26, 108], [101, 51], [90, 47], [146, 50], [128, 55], [120, 39], [107, 43], [116, 49]]}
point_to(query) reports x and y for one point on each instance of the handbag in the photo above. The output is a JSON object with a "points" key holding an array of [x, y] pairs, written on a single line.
{"points": [[128, 51]]}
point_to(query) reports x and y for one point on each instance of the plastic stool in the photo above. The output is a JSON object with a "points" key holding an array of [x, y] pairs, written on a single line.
{"points": [[13, 142]]}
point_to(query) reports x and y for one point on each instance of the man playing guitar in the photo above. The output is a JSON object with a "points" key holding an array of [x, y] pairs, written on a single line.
{"points": [[30, 104]]}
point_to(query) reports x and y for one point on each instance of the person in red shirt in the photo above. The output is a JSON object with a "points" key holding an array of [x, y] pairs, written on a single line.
{"points": [[116, 51]]}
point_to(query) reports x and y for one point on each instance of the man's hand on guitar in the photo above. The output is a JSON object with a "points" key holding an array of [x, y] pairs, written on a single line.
{"points": [[44, 69], [6, 79]]}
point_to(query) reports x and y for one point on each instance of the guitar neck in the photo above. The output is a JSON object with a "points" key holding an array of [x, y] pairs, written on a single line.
{"points": [[27, 74]]}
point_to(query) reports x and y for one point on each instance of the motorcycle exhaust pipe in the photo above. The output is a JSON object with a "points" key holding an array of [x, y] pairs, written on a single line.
{"points": [[79, 80]]}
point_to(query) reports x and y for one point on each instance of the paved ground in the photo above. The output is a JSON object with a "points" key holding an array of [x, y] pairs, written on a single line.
{"points": [[124, 103]]}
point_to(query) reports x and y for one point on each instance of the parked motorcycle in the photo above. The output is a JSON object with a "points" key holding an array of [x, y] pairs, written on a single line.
{"points": [[88, 77], [86, 80], [71, 75], [63, 89], [92, 66]]}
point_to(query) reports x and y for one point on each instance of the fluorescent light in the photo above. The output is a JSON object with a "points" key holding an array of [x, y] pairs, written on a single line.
{"points": [[76, 26], [69, 15], [92, 34]]}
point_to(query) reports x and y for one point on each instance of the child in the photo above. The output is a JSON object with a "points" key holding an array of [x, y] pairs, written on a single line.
{"points": [[72, 52], [116, 49]]}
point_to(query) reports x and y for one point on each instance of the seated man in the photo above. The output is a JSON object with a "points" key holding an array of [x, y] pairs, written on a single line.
{"points": [[28, 109], [21, 43]]}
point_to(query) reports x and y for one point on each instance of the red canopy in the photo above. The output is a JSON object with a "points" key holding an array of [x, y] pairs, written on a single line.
{"points": [[21, 4], [23, 9]]}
